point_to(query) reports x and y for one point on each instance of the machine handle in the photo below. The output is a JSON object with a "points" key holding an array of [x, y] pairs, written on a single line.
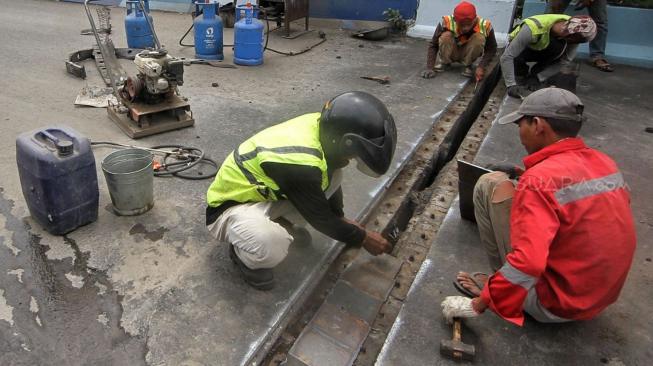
{"points": [[149, 24]]}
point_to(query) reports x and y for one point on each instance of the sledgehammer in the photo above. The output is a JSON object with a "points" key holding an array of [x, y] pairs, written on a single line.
{"points": [[454, 347]]}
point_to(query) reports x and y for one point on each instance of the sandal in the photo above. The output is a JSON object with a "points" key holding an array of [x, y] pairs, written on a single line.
{"points": [[603, 65], [465, 291]]}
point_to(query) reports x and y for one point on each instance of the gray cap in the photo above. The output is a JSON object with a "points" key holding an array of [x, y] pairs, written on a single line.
{"points": [[549, 102]]}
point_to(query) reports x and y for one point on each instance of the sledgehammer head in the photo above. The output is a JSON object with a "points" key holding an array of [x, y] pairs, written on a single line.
{"points": [[457, 350]]}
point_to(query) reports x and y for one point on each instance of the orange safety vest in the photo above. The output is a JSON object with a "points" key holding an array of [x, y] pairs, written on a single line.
{"points": [[482, 26]]}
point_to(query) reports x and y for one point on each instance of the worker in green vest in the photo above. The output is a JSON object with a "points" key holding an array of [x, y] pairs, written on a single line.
{"points": [[289, 174], [598, 10], [548, 40], [461, 37]]}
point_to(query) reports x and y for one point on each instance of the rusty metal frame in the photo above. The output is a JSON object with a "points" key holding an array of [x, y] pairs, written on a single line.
{"points": [[74, 67], [105, 55], [294, 10]]}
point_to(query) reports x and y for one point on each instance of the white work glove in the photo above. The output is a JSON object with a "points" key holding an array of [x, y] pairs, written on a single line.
{"points": [[457, 307]]}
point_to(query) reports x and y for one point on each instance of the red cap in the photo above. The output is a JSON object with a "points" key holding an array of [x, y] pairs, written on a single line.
{"points": [[464, 11]]}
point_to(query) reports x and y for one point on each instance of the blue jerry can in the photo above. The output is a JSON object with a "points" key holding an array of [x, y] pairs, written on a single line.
{"points": [[58, 177]]}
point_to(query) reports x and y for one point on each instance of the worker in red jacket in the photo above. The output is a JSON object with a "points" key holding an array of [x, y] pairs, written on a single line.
{"points": [[562, 241]]}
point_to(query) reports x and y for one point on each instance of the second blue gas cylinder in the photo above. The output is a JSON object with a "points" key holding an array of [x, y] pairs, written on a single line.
{"points": [[208, 32], [248, 38]]}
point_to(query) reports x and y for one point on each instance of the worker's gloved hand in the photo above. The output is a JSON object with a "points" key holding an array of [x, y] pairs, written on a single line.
{"points": [[428, 74], [376, 244], [518, 91], [513, 171], [534, 84], [457, 307]]}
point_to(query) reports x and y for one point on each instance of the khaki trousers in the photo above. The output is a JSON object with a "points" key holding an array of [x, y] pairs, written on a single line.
{"points": [[493, 220], [258, 240], [466, 53]]}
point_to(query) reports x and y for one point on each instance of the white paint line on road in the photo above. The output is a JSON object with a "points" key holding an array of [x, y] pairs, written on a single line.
{"points": [[76, 281], [18, 273], [6, 311], [6, 239]]}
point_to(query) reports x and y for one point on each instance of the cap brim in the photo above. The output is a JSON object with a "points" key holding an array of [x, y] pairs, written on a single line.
{"points": [[510, 118]]}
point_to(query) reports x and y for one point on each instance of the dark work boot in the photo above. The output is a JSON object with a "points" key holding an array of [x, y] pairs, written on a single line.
{"points": [[261, 279]]}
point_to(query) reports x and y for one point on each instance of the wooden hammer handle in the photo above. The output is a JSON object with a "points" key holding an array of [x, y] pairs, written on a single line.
{"points": [[456, 329]]}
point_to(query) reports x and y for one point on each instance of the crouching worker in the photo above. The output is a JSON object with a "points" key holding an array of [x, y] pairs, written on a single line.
{"points": [[548, 40], [461, 37], [562, 241], [291, 172]]}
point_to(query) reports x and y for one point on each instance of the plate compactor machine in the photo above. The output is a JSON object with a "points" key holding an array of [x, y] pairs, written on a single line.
{"points": [[149, 102]]}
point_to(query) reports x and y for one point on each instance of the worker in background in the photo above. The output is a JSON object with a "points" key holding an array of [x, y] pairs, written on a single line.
{"points": [[461, 37], [562, 241], [289, 174], [598, 10], [549, 40]]}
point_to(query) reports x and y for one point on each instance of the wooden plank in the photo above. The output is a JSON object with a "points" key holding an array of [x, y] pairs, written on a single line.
{"points": [[172, 114]]}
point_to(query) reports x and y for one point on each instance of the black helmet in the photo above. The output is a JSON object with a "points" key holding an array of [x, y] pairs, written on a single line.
{"points": [[358, 125]]}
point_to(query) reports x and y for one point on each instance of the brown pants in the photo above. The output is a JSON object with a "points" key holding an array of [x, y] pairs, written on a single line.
{"points": [[493, 219], [466, 53]]}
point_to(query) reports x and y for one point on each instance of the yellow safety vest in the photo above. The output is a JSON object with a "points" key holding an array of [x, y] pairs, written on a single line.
{"points": [[241, 177], [540, 26], [482, 26]]}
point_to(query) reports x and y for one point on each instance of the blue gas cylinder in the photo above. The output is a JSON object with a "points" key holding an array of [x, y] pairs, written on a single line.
{"points": [[139, 34], [57, 174], [248, 39], [208, 32]]}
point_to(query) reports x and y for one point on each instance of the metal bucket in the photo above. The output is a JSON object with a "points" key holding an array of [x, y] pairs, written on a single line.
{"points": [[130, 179]]}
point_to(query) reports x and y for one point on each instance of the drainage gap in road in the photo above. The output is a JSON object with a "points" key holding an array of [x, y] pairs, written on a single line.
{"points": [[407, 198], [415, 241]]}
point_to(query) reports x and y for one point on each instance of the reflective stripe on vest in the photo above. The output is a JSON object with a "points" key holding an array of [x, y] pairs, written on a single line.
{"points": [[263, 190], [241, 177], [449, 24], [482, 26], [260, 186], [540, 26]]}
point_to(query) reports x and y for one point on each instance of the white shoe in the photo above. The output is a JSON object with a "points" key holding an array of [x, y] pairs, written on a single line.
{"points": [[440, 67]]}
